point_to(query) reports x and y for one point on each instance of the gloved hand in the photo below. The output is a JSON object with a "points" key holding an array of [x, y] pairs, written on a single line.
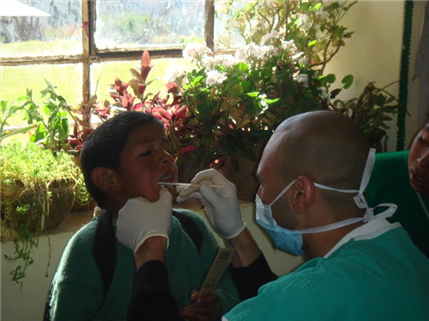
{"points": [[140, 219], [220, 203]]}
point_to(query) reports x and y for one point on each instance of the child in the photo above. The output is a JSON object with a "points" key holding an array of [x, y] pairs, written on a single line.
{"points": [[124, 159], [403, 178]]}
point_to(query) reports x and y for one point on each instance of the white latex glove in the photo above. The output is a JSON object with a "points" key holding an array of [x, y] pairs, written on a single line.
{"points": [[220, 203], [140, 219]]}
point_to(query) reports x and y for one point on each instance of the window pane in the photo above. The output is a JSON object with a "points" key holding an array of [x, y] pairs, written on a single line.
{"points": [[105, 74], [15, 80], [32, 28], [225, 35], [125, 24]]}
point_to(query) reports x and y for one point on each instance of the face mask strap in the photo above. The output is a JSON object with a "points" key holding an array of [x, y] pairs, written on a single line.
{"points": [[391, 209], [369, 166], [332, 226], [282, 192], [359, 198]]}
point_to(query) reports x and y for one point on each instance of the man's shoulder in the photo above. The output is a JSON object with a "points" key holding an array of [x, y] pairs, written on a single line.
{"points": [[392, 251]]}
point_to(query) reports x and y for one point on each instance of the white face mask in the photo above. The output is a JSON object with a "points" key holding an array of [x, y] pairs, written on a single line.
{"points": [[291, 241]]}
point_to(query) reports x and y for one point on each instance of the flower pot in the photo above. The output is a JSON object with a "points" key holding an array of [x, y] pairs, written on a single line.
{"points": [[15, 196], [187, 168], [245, 179]]}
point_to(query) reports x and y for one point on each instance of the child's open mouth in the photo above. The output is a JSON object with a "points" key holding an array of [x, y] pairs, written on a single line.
{"points": [[165, 181]]}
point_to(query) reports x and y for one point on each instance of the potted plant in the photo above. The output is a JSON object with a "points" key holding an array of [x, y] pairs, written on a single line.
{"points": [[37, 192], [225, 108], [40, 179]]}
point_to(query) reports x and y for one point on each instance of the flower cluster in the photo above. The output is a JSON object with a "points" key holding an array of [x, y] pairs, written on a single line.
{"points": [[236, 100], [230, 103]]}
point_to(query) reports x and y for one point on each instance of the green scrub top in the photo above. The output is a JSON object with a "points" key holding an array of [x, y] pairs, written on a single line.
{"points": [[376, 275], [390, 183]]}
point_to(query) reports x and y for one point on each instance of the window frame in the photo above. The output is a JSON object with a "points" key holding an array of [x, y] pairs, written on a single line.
{"points": [[90, 54]]}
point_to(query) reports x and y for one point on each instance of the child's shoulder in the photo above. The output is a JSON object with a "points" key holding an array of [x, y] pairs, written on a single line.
{"points": [[195, 217], [191, 214], [85, 235]]}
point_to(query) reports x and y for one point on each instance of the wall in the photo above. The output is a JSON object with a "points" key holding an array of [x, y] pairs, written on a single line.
{"points": [[373, 54]]}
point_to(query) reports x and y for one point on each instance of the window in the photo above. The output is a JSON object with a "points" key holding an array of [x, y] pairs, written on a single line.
{"points": [[81, 46]]}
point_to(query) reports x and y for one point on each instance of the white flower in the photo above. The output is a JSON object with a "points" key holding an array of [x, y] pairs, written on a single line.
{"points": [[174, 73], [273, 34], [195, 50], [264, 104], [301, 79], [303, 21], [324, 94], [297, 56], [323, 15], [302, 61], [288, 45], [225, 60], [241, 55], [209, 62], [214, 77]]}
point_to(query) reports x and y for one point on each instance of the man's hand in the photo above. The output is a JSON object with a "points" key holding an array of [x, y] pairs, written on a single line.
{"points": [[220, 203], [205, 308], [140, 219]]}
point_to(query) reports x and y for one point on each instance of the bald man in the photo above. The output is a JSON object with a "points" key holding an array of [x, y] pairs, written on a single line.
{"points": [[313, 173]]}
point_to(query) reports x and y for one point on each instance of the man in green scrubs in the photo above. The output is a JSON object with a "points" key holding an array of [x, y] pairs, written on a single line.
{"points": [[313, 173]]}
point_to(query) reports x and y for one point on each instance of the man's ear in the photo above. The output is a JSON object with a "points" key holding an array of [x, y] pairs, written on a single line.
{"points": [[106, 179], [303, 194]]}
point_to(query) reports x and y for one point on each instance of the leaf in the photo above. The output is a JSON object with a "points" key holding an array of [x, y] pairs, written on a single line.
{"points": [[272, 101], [136, 74], [253, 94], [347, 81], [312, 43], [236, 90], [330, 78], [39, 134]]}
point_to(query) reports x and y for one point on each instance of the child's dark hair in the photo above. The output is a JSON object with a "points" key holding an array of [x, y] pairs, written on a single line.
{"points": [[104, 146]]}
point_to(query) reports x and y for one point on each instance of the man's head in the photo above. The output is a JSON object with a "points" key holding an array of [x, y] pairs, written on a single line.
{"points": [[317, 147], [418, 161], [125, 157]]}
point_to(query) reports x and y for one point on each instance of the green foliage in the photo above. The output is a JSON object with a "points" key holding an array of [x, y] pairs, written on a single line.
{"points": [[28, 173], [32, 164], [229, 104], [371, 110], [31, 172], [135, 27], [8, 110], [313, 26], [53, 127]]}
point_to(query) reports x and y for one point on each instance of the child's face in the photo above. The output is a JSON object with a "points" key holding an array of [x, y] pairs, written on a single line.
{"points": [[418, 162], [144, 162]]}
